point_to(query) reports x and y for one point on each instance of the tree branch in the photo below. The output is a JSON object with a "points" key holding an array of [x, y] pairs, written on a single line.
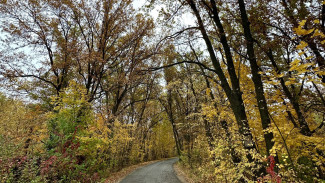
{"points": [[182, 62]]}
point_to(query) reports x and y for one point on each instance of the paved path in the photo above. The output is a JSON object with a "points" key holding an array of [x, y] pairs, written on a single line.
{"points": [[159, 172]]}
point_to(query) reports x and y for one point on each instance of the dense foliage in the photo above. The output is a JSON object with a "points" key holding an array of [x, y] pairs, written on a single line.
{"points": [[234, 88]]}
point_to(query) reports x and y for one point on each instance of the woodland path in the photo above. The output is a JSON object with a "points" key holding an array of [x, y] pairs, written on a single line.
{"points": [[159, 172]]}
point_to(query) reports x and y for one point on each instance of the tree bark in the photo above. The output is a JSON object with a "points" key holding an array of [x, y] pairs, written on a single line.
{"points": [[257, 79]]}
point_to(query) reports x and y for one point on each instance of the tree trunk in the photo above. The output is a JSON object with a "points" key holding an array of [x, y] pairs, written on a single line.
{"points": [[234, 94], [260, 97]]}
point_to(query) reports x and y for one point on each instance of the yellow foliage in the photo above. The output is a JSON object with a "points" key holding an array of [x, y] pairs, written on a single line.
{"points": [[296, 65], [318, 33], [95, 138], [208, 91], [300, 31], [21, 126], [302, 45], [73, 97], [322, 73]]}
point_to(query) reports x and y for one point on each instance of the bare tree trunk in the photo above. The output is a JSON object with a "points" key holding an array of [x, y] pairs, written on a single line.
{"points": [[260, 97]]}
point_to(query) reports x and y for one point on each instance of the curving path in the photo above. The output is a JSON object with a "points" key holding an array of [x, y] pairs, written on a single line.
{"points": [[159, 172]]}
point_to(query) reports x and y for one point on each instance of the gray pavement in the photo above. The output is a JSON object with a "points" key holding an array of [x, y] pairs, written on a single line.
{"points": [[159, 172]]}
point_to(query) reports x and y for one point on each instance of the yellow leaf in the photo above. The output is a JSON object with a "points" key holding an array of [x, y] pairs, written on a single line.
{"points": [[316, 21], [280, 75], [98, 146], [288, 83], [301, 31], [322, 73], [309, 31], [295, 62], [302, 45], [208, 91], [302, 23], [318, 33]]}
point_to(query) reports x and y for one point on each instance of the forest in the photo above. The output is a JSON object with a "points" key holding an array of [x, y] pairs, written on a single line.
{"points": [[233, 88]]}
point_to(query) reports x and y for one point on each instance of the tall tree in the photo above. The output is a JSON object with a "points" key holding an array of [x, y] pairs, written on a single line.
{"points": [[88, 42], [233, 93], [260, 97]]}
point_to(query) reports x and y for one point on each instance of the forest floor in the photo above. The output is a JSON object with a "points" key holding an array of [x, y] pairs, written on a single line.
{"points": [[183, 174]]}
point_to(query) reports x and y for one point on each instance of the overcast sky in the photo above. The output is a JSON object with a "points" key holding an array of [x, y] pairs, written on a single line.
{"points": [[187, 18]]}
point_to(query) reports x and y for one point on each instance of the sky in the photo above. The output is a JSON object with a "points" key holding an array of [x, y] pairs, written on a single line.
{"points": [[187, 18], [138, 3]]}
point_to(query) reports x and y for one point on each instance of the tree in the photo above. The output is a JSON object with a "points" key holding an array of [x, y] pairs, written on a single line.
{"points": [[88, 42]]}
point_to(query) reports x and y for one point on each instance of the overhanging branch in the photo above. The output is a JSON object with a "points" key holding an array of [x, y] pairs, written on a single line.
{"points": [[178, 63]]}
